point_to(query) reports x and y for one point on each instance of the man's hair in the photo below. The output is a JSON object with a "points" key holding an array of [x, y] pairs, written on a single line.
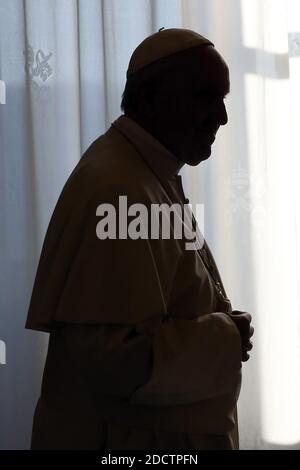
{"points": [[148, 78]]}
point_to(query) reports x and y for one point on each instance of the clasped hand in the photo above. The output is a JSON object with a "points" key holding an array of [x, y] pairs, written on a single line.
{"points": [[242, 320]]}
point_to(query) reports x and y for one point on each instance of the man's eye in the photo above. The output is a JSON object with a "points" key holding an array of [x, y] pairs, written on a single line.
{"points": [[207, 95]]}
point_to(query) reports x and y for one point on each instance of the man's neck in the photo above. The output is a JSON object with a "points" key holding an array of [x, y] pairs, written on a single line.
{"points": [[150, 128]]}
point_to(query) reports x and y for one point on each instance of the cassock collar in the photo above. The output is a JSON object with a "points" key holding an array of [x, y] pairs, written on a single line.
{"points": [[162, 162]]}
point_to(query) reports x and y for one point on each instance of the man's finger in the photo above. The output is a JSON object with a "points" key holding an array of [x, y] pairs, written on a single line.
{"points": [[248, 346], [245, 357]]}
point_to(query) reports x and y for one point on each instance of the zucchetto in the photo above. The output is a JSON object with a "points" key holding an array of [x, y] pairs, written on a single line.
{"points": [[162, 44]]}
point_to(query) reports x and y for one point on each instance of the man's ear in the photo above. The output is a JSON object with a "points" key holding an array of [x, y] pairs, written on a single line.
{"points": [[149, 99]]}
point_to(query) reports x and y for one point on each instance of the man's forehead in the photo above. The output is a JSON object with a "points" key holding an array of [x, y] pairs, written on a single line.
{"points": [[207, 60], [204, 67], [213, 77]]}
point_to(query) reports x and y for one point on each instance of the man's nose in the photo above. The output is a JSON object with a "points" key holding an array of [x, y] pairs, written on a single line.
{"points": [[223, 114], [220, 113]]}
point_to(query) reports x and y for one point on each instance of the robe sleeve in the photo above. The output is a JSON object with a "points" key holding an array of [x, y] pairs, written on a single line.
{"points": [[170, 362]]}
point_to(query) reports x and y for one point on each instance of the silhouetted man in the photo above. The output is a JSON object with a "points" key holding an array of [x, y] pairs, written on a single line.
{"points": [[144, 349]]}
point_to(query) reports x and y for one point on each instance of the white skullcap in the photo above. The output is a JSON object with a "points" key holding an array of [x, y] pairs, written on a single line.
{"points": [[162, 44]]}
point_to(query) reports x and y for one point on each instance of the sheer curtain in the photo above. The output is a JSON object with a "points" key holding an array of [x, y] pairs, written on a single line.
{"points": [[63, 64]]}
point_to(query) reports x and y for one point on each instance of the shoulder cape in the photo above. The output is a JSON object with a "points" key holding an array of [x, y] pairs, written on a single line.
{"points": [[85, 280]]}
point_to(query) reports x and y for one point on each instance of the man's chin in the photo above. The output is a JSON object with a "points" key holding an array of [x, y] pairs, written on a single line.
{"points": [[199, 157]]}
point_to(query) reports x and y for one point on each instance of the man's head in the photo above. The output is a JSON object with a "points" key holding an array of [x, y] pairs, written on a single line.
{"points": [[179, 100]]}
